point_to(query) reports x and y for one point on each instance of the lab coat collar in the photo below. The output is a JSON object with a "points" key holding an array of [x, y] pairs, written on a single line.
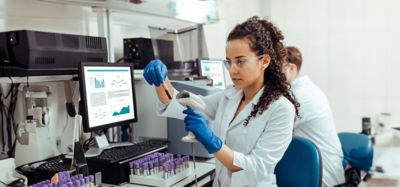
{"points": [[246, 111], [299, 79], [232, 93], [254, 101]]}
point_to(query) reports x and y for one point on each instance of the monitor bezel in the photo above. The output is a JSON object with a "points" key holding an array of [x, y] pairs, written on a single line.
{"points": [[83, 105], [199, 66]]}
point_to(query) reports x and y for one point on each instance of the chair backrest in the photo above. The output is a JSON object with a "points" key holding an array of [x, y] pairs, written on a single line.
{"points": [[301, 165], [357, 150]]}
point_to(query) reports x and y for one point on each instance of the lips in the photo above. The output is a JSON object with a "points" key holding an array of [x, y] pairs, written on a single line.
{"points": [[236, 79]]}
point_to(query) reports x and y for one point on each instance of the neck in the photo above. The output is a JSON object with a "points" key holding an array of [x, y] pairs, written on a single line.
{"points": [[251, 91]]}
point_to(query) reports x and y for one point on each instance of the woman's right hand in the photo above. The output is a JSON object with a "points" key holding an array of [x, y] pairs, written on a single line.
{"points": [[155, 72]]}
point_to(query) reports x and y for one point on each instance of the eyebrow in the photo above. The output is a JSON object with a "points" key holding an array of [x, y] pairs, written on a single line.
{"points": [[238, 57]]}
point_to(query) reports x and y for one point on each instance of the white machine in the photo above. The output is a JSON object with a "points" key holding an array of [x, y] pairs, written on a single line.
{"points": [[31, 140], [35, 131]]}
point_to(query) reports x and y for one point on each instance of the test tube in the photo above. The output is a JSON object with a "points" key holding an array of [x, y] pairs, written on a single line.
{"points": [[131, 167], [165, 171], [136, 167], [145, 169], [157, 165], [177, 168], [87, 181], [76, 183], [91, 180], [150, 167], [82, 180]]}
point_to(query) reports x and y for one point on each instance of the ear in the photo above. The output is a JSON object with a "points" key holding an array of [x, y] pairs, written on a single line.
{"points": [[266, 61], [293, 67]]}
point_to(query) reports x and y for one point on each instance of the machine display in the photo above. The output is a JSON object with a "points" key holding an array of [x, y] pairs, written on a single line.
{"points": [[213, 69]]}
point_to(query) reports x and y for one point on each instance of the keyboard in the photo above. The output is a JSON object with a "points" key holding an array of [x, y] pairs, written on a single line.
{"points": [[118, 154], [55, 165], [114, 162], [45, 169]]}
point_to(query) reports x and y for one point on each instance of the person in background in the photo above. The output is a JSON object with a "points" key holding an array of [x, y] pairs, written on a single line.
{"points": [[252, 121], [316, 120]]}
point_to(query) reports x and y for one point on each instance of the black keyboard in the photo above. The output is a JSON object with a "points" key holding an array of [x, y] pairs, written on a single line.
{"points": [[55, 165], [45, 169], [114, 162], [118, 154]]}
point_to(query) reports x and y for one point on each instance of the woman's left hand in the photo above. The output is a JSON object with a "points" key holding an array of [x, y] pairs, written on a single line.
{"points": [[196, 124]]}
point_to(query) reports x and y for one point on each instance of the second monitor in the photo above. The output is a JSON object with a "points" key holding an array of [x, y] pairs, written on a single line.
{"points": [[213, 69]]}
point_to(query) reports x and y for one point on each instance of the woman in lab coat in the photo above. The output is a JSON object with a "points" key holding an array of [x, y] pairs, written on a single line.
{"points": [[252, 121]]}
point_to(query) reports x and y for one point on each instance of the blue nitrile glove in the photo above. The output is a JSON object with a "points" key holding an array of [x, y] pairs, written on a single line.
{"points": [[196, 124], [155, 72]]}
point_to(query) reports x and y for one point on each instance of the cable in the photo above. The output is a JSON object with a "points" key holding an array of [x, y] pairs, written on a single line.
{"points": [[194, 164], [3, 140], [12, 124], [7, 116], [3, 183], [8, 119], [120, 59]]}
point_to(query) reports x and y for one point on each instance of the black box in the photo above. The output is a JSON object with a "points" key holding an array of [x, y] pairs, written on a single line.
{"points": [[45, 51], [140, 51]]}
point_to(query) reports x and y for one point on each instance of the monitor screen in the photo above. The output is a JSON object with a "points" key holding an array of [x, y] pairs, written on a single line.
{"points": [[107, 94], [213, 69]]}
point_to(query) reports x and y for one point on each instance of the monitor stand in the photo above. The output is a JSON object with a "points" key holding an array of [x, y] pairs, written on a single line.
{"points": [[102, 144]]}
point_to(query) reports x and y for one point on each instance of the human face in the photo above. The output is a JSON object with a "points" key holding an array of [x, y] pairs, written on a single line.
{"points": [[245, 67], [290, 71]]}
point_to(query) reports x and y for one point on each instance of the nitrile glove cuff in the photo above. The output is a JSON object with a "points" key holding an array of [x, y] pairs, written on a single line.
{"points": [[214, 145]]}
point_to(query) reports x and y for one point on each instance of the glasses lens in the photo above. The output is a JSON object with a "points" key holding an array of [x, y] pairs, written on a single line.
{"points": [[241, 62], [227, 64]]}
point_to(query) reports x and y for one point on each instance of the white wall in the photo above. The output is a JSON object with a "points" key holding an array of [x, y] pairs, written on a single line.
{"points": [[41, 16], [350, 49], [37, 15], [34, 15]]}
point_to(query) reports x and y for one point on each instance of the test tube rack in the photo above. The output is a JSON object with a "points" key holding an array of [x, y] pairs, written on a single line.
{"points": [[159, 180]]}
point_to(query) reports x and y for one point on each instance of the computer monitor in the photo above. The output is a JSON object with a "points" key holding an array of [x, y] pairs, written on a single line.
{"points": [[107, 100], [214, 69], [108, 95]]}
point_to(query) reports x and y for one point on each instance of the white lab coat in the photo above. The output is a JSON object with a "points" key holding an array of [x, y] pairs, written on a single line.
{"points": [[316, 123], [257, 147]]}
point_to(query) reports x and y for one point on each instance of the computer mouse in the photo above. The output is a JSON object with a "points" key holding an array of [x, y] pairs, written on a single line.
{"points": [[17, 183]]}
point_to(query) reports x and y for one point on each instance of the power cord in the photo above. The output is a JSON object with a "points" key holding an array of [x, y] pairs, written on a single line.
{"points": [[7, 110]]}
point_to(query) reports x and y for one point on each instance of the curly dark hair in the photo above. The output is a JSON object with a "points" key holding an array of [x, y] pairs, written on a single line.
{"points": [[265, 38]]}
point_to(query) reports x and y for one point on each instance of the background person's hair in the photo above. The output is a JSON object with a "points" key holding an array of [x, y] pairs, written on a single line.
{"points": [[265, 38], [294, 56]]}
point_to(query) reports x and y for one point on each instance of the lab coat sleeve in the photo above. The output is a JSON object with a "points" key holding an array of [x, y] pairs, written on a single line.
{"points": [[269, 149], [174, 109]]}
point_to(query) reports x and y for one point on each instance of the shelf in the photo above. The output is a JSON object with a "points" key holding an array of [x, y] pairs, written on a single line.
{"points": [[9, 74], [50, 78]]}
